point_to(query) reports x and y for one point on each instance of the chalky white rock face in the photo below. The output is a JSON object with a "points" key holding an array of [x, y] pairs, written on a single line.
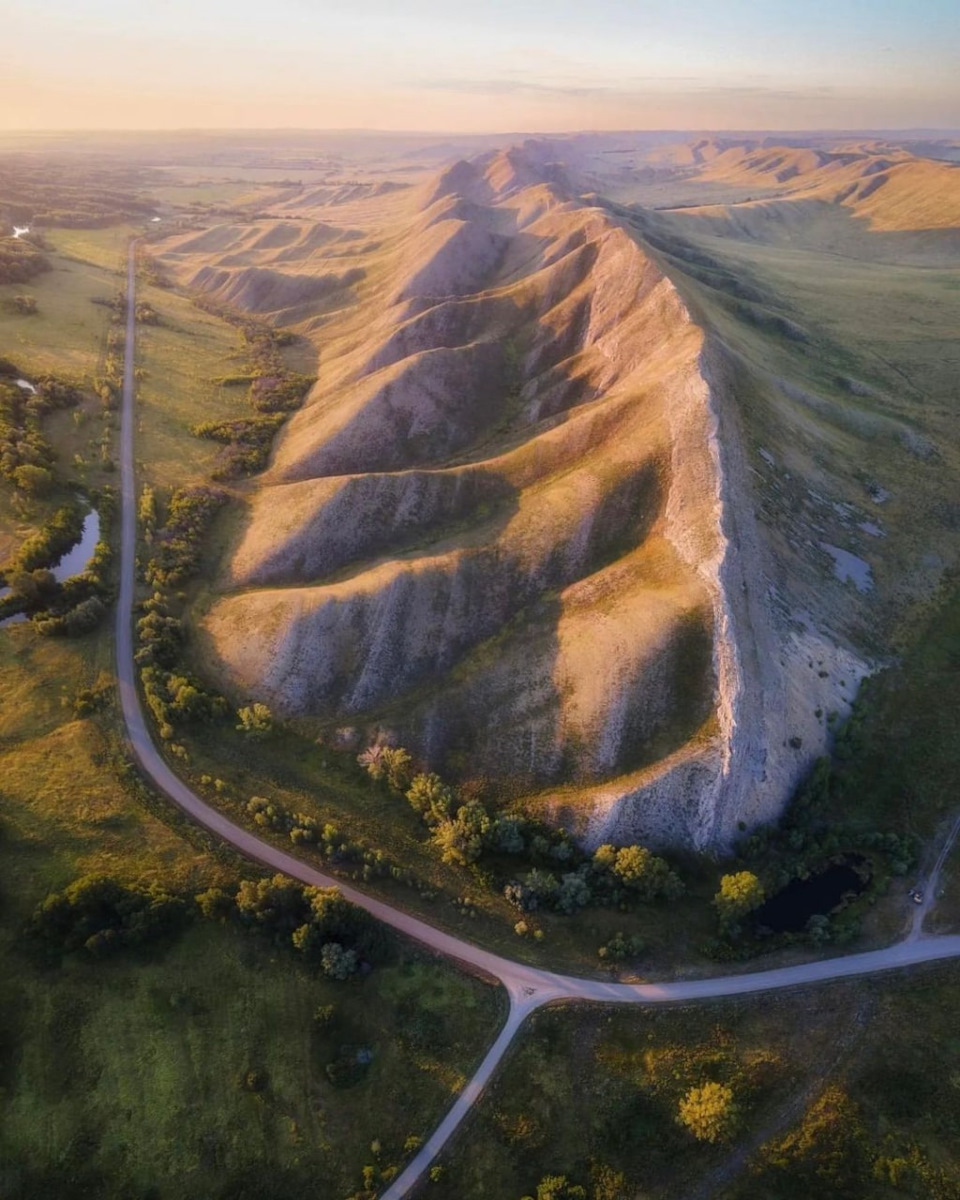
{"points": [[509, 528]]}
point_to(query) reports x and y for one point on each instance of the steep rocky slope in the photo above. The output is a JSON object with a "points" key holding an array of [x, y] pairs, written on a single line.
{"points": [[510, 527]]}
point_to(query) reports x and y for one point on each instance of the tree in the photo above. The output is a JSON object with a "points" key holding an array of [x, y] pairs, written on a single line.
{"points": [[605, 857], [276, 904], [336, 962], [620, 947], [256, 720], [331, 913], [709, 1112], [558, 1187], [509, 835], [573, 893], [35, 481], [430, 797], [608, 1184], [643, 872], [739, 894], [462, 839], [398, 767], [99, 914], [33, 588], [388, 764], [215, 904]]}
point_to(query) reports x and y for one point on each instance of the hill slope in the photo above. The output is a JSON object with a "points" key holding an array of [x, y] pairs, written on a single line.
{"points": [[502, 529]]}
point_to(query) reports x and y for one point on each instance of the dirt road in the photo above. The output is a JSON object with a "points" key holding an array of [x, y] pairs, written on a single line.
{"points": [[528, 988]]}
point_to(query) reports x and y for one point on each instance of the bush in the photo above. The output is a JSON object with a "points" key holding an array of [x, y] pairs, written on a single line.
{"points": [[46, 547], [336, 962], [709, 1112], [461, 840], [646, 874], [177, 554], [256, 720], [101, 915], [390, 765], [620, 948], [739, 894], [33, 480], [431, 798]]}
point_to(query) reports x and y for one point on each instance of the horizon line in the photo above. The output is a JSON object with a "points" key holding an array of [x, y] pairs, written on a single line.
{"points": [[373, 131]]}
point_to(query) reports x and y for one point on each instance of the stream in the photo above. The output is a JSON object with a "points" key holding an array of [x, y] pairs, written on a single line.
{"points": [[73, 562]]}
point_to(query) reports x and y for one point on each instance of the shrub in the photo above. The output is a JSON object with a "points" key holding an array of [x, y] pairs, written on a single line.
{"points": [[709, 1112], [100, 915], [256, 720], [336, 962], [645, 874], [621, 947], [430, 797], [739, 894]]}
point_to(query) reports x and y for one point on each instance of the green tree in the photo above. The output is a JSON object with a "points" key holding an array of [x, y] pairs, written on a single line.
{"points": [[739, 894], [573, 892], [709, 1112], [337, 962], [33, 480], [558, 1187], [605, 857], [462, 839], [643, 872], [509, 833], [430, 797], [215, 904], [256, 720], [388, 764]]}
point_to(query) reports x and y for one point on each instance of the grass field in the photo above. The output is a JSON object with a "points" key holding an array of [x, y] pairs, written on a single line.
{"points": [[66, 334], [181, 359], [67, 338], [831, 1084], [121, 1076]]}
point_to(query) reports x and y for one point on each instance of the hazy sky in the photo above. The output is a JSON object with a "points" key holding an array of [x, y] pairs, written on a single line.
{"points": [[487, 65]]}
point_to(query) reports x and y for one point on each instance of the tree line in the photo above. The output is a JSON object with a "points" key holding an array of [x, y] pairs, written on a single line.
{"points": [[97, 916]]}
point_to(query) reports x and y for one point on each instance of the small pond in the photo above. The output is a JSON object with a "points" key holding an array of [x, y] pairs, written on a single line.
{"points": [[818, 895], [72, 563], [77, 557]]}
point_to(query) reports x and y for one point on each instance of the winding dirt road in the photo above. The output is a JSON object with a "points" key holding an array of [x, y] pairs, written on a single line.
{"points": [[528, 988]]}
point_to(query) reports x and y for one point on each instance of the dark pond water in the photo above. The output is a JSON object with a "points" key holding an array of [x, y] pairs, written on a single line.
{"points": [[72, 563], [790, 909], [77, 557]]}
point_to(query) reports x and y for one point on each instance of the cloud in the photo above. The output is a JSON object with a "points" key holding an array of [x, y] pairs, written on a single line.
{"points": [[625, 90], [511, 87]]}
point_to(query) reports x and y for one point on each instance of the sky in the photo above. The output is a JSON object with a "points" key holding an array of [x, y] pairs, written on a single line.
{"points": [[484, 66]]}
